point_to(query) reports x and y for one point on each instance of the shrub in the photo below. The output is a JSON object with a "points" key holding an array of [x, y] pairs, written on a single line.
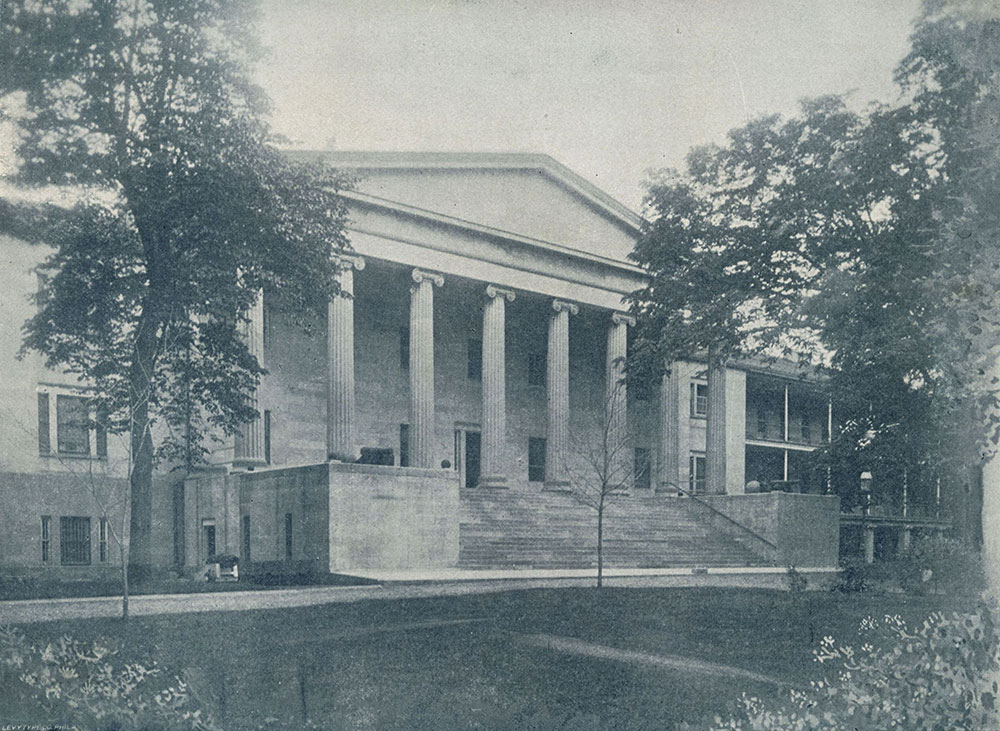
{"points": [[87, 685], [855, 575], [941, 675], [955, 566]]}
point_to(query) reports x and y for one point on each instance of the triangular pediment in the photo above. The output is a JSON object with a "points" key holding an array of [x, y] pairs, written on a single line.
{"points": [[532, 196]]}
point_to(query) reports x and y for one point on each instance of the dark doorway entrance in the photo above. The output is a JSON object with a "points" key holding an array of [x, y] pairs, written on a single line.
{"points": [[472, 445]]}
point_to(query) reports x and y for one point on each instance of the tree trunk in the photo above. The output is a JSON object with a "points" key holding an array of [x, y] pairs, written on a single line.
{"points": [[124, 558], [140, 555], [600, 544]]}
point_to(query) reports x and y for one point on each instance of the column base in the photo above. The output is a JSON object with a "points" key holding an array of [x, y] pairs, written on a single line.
{"points": [[557, 486], [493, 482]]}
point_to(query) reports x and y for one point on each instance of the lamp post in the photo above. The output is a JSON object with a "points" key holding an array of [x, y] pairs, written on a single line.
{"points": [[866, 492]]}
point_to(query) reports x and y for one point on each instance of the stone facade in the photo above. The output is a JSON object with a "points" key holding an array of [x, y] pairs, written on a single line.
{"points": [[481, 350]]}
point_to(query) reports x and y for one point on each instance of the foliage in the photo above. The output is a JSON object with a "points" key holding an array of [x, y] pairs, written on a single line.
{"points": [[942, 674], [87, 685], [865, 241], [185, 212], [955, 566]]}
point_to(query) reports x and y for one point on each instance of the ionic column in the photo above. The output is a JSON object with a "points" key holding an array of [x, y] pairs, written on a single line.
{"points": [[557, 393], [494, 426], [715, 427], [616, 400], [422, 367], [248, 445], [668, 458], [340, 398]]}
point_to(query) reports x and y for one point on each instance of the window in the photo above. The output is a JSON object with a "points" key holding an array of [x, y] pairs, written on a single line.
{"points": [[696, 479], [474, 365], [641, 468], [536, 459], [72, 425], [44, 440], [267, 436], [74, 541], [761, 423], [404, 348], [102, 540], [246, 538], [806, 430], [826, 431], [288, 536], [536, 369], [699, 399], [404, 445], [46, 536]]}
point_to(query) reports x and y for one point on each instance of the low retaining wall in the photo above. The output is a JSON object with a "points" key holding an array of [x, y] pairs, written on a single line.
{"points": [[392, 517], [804, 528]]}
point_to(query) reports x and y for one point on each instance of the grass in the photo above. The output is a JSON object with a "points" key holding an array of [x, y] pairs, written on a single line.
{"points": [[406, 664]]}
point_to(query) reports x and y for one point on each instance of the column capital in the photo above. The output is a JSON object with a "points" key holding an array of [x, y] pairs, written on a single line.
{"points": [[343, 261], [622, 318], [420, 275], [564, 306], [493, 291]]}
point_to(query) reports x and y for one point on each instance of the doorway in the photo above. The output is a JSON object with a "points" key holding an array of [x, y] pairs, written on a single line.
{"points": [[208, 529], [467, 455]]}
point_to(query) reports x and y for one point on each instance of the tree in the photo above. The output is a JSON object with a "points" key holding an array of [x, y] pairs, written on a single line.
{"points": [[185, 212], [733, 245], [952, 75], [603, 466]]}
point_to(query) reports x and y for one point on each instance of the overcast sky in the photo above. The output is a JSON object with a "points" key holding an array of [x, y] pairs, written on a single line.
{"points": [[611, 89]]}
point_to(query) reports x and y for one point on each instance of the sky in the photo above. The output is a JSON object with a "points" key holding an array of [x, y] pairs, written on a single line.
{"points": [[613, 90]]}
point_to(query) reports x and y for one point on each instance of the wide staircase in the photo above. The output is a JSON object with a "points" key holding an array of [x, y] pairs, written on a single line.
{"points": [[502, 529]]}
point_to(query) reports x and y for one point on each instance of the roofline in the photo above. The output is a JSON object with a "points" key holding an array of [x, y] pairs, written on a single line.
{"points": [[382, 160]]}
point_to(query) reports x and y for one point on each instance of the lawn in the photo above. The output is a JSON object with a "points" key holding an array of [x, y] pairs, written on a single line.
{"points": [[465, 662]]}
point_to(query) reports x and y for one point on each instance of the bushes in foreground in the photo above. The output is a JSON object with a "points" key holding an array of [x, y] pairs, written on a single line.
{"points": [[940, 675], [87, 685]]}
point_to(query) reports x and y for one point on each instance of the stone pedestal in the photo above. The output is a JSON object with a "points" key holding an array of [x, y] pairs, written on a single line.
{"points": [[494, 423], [557, 396], [340, 396], [422, 367]]}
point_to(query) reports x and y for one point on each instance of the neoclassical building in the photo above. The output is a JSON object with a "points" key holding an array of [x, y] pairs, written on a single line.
{"points": [[452, 411]]}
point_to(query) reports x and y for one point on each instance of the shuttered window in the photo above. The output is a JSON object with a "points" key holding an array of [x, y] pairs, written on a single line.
{"points": [[44, 440]]}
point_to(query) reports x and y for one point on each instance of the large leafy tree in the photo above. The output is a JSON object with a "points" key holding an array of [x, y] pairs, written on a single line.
{"points": [[952, 77], [185, 212], [874, 233]]}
